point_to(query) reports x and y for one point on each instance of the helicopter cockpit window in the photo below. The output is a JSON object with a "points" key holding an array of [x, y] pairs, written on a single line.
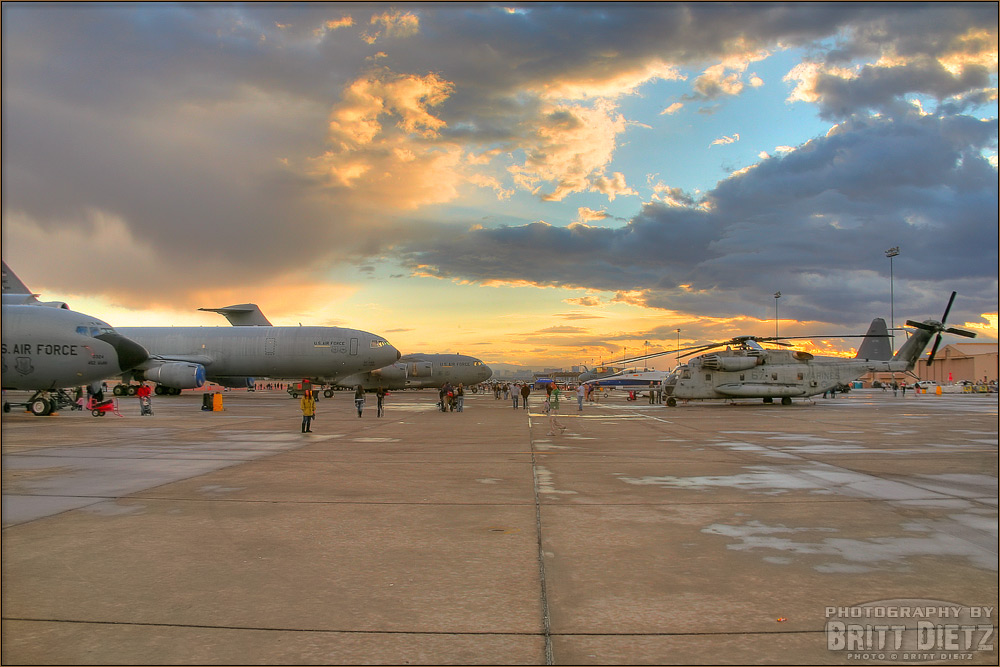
{"points": [[686, 375]]}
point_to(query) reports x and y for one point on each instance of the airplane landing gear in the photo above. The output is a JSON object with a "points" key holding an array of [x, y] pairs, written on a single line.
{"points": [[41, 406]]}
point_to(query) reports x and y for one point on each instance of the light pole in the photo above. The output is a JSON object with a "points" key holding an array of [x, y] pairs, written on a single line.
{"points": [[677, 358], [645, 362], [777, 295], [890, 253]]}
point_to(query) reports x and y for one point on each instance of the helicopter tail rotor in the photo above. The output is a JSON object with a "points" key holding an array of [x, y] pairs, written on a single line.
{"points": [[939, 328]]}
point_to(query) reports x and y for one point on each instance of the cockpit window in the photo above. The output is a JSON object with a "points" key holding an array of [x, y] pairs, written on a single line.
{"points": [[94, 332], [377, 342]]}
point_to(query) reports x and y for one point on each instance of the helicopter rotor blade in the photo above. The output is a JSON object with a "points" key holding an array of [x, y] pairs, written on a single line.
{"points": [[937, 341], [944, 318], [960, 332], [921, 325]]}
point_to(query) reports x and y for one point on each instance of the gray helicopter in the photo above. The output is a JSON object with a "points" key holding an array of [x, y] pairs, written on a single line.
{"points": [[745, 369]]}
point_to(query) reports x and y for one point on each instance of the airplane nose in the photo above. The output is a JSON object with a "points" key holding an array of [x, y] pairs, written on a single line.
{"points": [[130, 353]]}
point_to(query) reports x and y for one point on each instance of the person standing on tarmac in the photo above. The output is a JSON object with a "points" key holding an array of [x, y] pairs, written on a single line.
{"points": [[359, 399], [525, 392], [380, 394], [553, 401], [308, 405]]}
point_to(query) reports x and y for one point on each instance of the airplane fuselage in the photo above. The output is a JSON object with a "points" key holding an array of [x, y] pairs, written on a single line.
{"points": [[418, 371], [52, 348], [261, 351]]}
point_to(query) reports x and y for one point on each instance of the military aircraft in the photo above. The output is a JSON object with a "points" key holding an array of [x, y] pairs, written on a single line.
{"points": [[746, 370], [411, 371], [598, 372], [185, 357], [632, 379], [419, 371], [47, 347]]}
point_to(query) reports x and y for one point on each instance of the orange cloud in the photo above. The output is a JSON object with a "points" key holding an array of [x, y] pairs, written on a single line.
{"points": [[572, 146]]}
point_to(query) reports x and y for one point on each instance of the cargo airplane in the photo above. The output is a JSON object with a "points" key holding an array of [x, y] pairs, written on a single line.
{"points": [[47, 347], [411, 371]]}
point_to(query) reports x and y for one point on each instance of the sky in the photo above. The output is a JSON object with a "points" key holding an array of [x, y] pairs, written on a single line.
{"points": [[540, 185]]}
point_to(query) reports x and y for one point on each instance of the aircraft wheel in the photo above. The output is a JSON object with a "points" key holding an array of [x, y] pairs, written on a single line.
{"points": [[119, 390], [769, 400], [786, 400], [41, 407], [159, 391], [328, 393], [671, 402], [130, 390]]}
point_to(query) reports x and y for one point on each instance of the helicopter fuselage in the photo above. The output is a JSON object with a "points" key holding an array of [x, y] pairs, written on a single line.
{"points": [[768, 374]]}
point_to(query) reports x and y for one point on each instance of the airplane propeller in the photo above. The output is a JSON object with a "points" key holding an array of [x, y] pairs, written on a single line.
{"points": [[939, 329]]}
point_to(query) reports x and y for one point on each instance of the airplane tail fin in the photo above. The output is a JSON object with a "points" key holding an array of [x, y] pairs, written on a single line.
{"points": [[242, 315], [876, 345], [11, 283]]}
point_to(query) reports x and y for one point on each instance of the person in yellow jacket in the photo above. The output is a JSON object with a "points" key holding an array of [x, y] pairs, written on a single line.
{"points": [[308, 405]]}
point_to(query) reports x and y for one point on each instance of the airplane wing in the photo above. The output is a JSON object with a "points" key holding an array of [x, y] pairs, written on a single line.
{"points": [[200, 359]]}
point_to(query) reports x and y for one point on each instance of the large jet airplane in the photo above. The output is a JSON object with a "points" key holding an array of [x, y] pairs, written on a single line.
{"points": [[412, 371], [419, 371], [47, 347], [185, 357]]}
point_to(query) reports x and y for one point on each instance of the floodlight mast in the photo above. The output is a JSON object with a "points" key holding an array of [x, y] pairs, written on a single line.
{"points": [[890, 253]]}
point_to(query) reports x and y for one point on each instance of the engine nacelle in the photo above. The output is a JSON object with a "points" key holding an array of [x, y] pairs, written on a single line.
{"points": [[235, 381], [717, 362], [395, 374], [54, 304], [177, 374]]}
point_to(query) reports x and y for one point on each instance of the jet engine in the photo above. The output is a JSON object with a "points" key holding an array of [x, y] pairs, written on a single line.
{"points": [[177, 374], [715, 362], [394, 375]]}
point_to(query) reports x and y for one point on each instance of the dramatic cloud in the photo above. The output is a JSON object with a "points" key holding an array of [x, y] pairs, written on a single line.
{"points": [[812, 222]]}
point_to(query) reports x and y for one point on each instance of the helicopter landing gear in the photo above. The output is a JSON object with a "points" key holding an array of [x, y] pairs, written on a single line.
{"points": [[786, 400], [671, 402], [768, 399]]}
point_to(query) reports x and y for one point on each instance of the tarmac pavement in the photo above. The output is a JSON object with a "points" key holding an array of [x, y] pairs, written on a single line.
{"points": [[703, 534]]}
